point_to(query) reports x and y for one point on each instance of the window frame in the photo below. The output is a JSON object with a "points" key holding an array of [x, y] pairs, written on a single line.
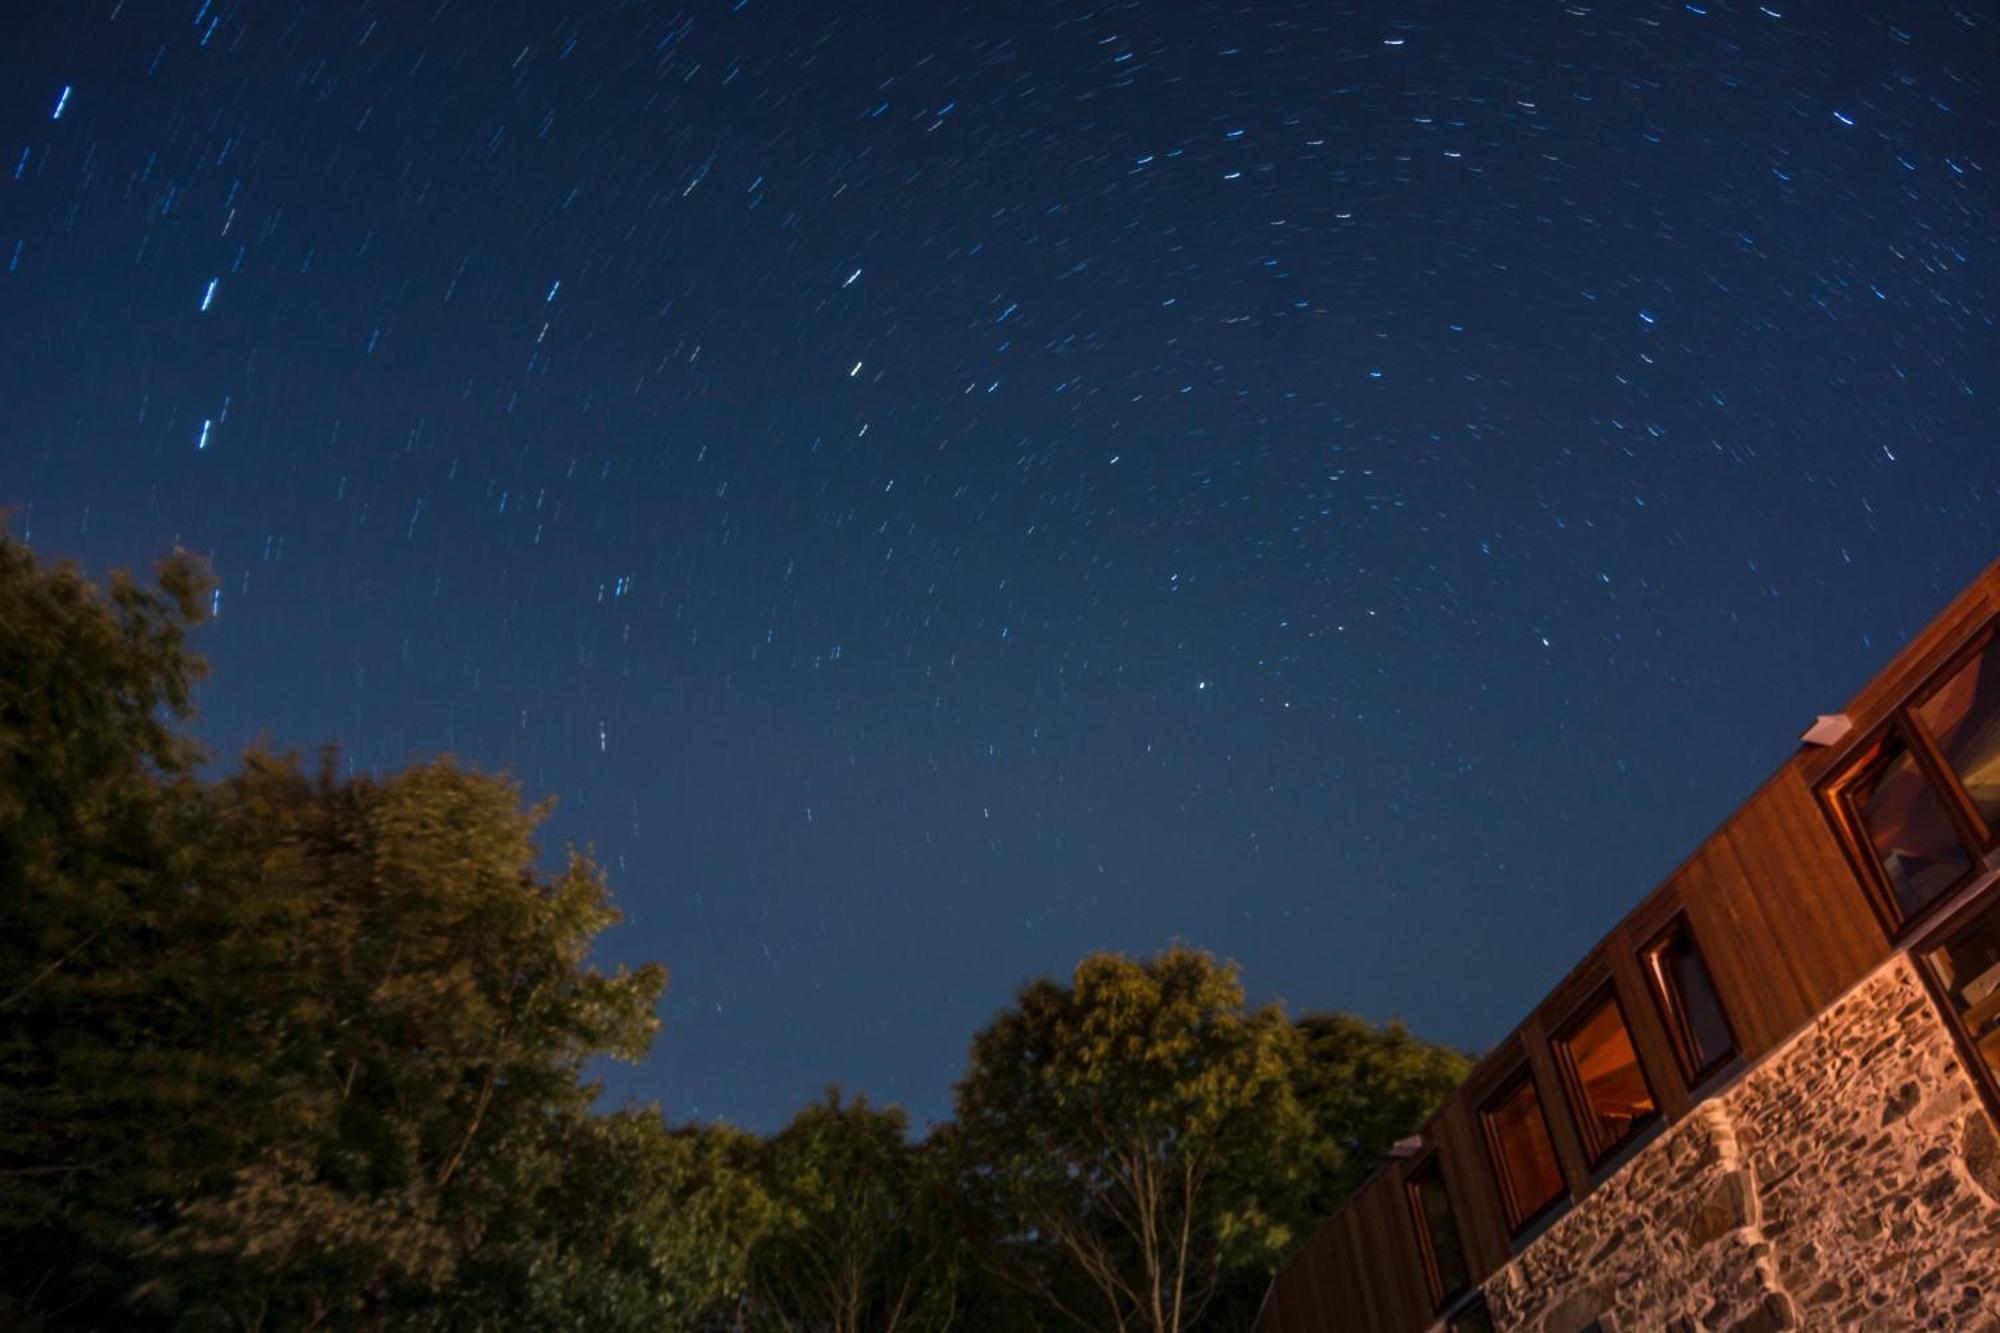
{"points": [[1455, 1321], [1496, 1160], [1672, 1009], [1865, 759], [1597, 1153], [1433, 1161], [1943, 926]]}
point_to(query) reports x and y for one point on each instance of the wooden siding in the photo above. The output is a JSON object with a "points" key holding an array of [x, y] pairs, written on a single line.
{"points": [[1785, 925]]}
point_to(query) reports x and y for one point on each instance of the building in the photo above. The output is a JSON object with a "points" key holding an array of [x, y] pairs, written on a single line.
{"points": [[1766, 1099]]}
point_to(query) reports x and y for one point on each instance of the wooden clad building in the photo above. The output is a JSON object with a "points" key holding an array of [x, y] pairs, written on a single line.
{"points": [[1765, 1099]]}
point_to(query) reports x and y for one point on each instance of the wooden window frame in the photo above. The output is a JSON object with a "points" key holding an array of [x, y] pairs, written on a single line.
{"points": [[1426, 1247], [1454, 1320], [1597, 1153], [1498, 1161], [1943, 926], [1865, 759], [1672, 1009]]}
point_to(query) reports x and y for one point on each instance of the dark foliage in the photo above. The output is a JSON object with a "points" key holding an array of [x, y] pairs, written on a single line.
{"points": [[283, 1049]]}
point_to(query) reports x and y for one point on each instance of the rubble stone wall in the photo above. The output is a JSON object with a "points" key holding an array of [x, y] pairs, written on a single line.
{"points": [[1851, 1180]]}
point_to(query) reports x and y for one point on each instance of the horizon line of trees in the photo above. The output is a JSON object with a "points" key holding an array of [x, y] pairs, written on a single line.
{"points": [[284, 1049]]}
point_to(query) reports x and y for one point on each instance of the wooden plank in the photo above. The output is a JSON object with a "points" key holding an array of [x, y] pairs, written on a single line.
{"points": [[1654, 911], [1325, 1284], [1358, 1284], [1329, 1277], [1475, 1198], [1399, 1255], [1293, 1305], [1584, 980], [1389, 1251], [1830, 935], [1387, 1264], [1570, 1155], [1304, 1298], [1494, 1068], [1475, 1194], [1781, 944], [1731, 934]]}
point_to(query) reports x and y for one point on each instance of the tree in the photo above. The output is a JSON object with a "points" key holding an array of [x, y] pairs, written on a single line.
{"points": [[1365, 1087], [289, 1049], [1139, 1138], [861, 1241], [276, 1050], [426, 1013], [99, 813], [644, 1228]]}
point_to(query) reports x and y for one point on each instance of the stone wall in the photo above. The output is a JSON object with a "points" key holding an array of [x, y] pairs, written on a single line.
{"points": [[1850, 1181]]}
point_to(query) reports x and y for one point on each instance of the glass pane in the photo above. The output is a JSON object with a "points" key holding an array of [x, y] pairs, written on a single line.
{"points": [[1472, 1319], [1910, 831], [1434, 1210], [1526, 1159], [1615, 1094], [1968, 966], [1964, 718], [1693, 1013]]}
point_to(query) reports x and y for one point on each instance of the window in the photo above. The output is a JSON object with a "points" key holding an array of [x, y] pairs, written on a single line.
{"points": [[1963, 717], [1474, 1318], [1687, 1001], [1606, 1083], [1967, 968], [1922, 803], [1524, 1157], [1437, 1230], [1909, 829]]}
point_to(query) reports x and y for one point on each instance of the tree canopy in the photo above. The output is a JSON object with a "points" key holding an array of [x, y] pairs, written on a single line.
{"points": [[861, 1239], [282, 1048], [1364, 1087], [1141, 1137], [287, 1048]]}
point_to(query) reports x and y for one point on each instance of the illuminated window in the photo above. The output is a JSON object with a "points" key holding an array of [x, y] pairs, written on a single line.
{"points": [[1607, 1085], [1963, 717], [1437, 1231], [1524, 1157], [1922, 802], [1909, 829], [1967, 966], [1688, 1004]]}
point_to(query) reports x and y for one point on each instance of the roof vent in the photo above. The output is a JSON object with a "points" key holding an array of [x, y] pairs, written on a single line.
{"points": [[1409, 1147], [1828, 729]]}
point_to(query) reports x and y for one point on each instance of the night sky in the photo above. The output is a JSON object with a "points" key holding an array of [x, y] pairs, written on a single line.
{"points": [[937, 489]]}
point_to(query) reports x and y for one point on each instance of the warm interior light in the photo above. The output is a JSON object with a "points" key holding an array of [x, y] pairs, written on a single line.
{"points": [[1523, 1152], [1964, 718], [1908, 828], [1608, 1076], [1968, 966]]}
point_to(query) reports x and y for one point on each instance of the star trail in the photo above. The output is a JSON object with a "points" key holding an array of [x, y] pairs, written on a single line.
{"points": [[932, 490]]}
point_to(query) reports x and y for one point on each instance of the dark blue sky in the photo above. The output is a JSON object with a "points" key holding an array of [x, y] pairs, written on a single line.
{"points": [[935, 490]]}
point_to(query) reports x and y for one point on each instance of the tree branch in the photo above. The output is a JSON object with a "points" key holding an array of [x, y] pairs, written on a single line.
{"points": [[50, 970], [478, 1114]]}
